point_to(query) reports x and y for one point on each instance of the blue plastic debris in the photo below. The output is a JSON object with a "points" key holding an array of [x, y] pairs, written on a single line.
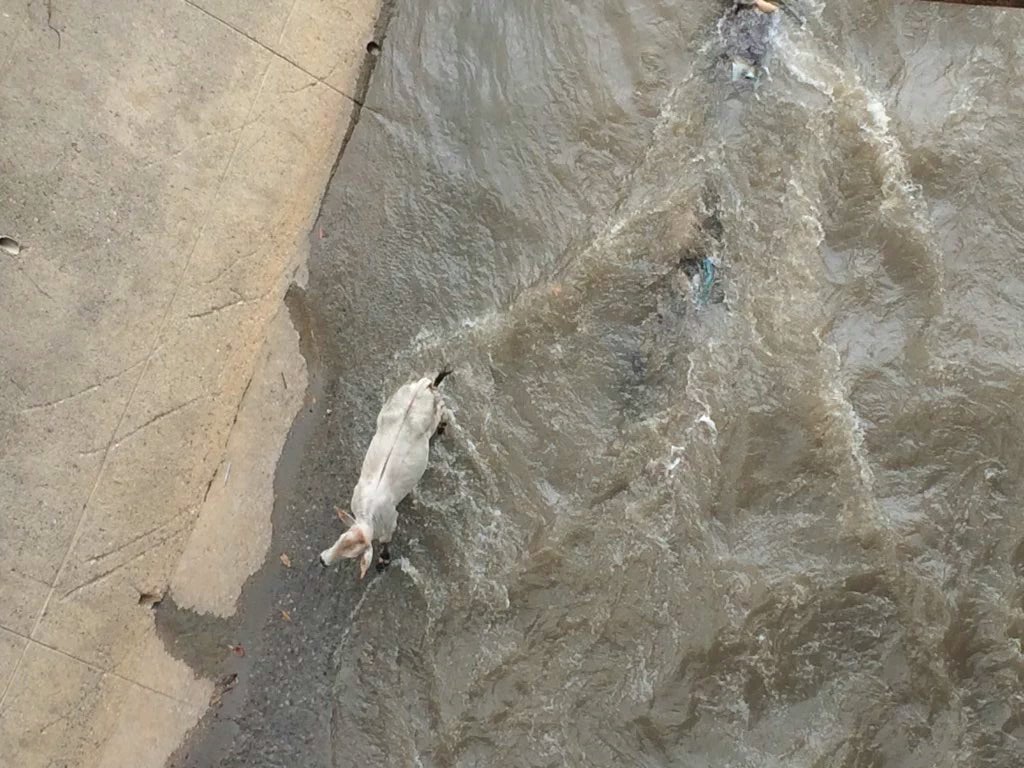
{"points": [[704, 281]]}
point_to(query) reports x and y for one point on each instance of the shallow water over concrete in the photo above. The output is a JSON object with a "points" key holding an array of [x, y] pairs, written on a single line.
{"points": [[782, 528]]}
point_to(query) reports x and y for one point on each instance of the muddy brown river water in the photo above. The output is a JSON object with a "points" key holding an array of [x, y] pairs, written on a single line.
{"points": [[778, 523]]}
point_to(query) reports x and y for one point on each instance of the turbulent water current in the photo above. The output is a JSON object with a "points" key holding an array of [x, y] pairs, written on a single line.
{"points": [[735, 477]]}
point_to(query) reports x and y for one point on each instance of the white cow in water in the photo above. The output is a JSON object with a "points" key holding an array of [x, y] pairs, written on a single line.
{"points": [[394, 463]]}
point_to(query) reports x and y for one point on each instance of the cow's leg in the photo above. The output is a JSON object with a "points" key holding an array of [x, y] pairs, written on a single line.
{"points": [[443, 419], [385, 557], [442, 414]]}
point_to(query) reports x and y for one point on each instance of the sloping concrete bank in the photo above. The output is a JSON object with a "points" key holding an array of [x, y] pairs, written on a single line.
{"points": [[160, 168]]}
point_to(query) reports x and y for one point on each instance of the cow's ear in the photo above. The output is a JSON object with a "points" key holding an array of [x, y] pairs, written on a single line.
{"points": [[344, 516], [365, 560]]}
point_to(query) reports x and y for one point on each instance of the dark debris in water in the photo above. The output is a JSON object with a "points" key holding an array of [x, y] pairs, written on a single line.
{"points": [[746, 32], [704, 275], [699, 264]]}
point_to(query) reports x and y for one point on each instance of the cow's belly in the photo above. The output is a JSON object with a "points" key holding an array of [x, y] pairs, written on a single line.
{"points": [[405, 468]]}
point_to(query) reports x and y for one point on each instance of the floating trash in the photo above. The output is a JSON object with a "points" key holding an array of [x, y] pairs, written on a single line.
{"points": [[704, 282], [747, 31]]}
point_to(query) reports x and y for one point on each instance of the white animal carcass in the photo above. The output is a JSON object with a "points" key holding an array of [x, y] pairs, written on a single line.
{"points": [[394, 463]]}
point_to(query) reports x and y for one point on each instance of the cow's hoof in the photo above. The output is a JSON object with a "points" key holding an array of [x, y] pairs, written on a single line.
{"points": [[384, 560]]}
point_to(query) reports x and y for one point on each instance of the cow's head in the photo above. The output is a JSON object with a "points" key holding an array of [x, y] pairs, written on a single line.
{"points": [[357, 541]]}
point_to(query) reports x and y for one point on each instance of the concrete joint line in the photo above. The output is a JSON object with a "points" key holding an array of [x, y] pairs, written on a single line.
{"points": [[270, 50], [29, 641]]}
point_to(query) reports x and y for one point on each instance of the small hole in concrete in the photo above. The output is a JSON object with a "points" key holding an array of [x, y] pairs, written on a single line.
{"points": [[150, 599], [10, 245], [373, 47]]}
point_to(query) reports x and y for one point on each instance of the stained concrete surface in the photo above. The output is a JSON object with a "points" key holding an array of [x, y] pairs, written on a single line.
{"points": [[274, 396], [161, 166]]}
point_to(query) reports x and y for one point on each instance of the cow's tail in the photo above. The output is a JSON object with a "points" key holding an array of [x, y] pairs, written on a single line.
{"points": [[442, 375]]}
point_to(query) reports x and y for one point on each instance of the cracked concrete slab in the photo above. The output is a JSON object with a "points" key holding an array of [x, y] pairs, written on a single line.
{"points": [[264, 21], [314, 22], [88, 178], [148, 664], [94, 612], [325, 38], [11, 648], [161, 170], [35, 730], [50, 454], [21, 599], [149, 734], [217, 561], [248, 253]]}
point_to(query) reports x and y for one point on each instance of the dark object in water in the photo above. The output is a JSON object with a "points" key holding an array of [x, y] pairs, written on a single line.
{"points": [[700, 264], [708, 275], [703, 274], [747, 35]]}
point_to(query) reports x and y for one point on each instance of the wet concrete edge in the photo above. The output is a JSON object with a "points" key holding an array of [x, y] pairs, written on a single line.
{"points": [[203, 641]]}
